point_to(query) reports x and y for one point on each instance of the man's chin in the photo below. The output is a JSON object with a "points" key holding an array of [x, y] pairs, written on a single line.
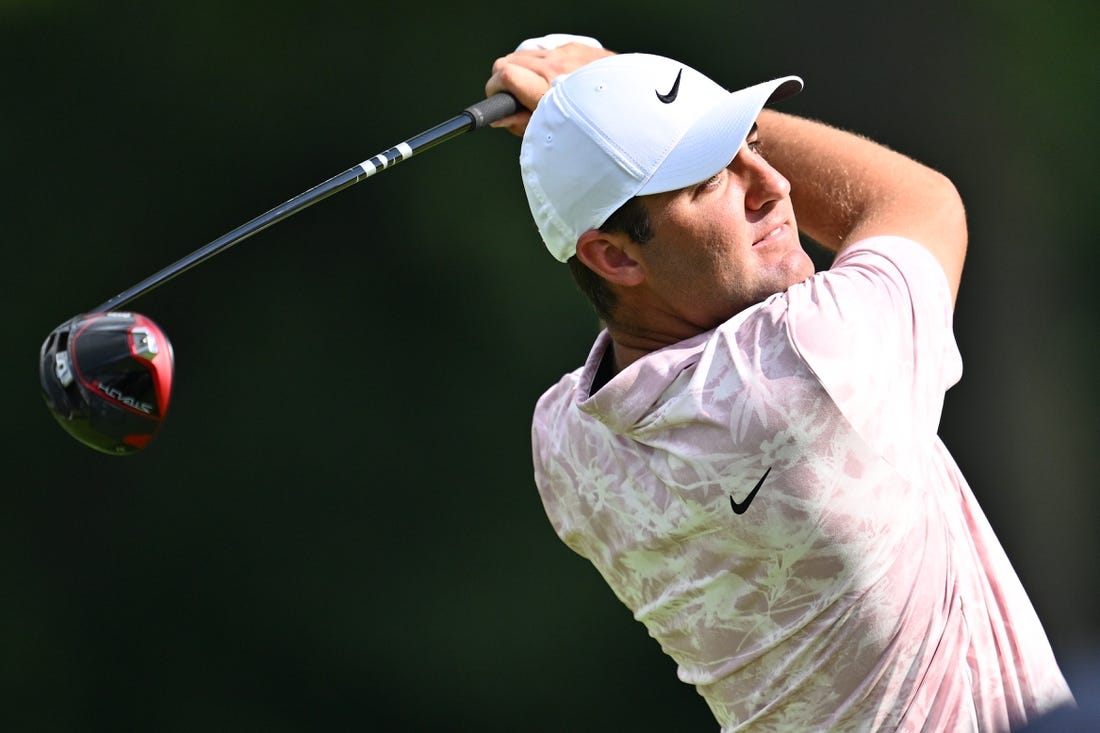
{"points": [[795, 267]]}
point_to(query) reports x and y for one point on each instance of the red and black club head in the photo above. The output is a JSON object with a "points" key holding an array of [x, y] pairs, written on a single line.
{"points": [[107, 378]]}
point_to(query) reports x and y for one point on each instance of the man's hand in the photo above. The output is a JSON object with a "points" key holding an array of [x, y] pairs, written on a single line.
{"points": [[527, 72]]}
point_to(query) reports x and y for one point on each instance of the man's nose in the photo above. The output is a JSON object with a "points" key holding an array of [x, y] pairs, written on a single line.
{"points": [[763, 183]]}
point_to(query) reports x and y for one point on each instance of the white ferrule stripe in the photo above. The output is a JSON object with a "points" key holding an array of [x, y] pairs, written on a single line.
{"points": [[370, 167]]}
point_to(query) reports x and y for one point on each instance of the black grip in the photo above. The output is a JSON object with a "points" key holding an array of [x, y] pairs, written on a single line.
{"points": [[490, 110]]}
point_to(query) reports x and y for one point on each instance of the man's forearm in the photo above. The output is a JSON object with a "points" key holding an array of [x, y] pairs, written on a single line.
{"points": [[846, 188]]}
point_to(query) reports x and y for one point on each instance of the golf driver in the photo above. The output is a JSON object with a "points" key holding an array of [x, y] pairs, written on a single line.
{"points": [[107, 375]]}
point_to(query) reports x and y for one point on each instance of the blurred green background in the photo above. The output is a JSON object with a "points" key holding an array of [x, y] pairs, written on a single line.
{"points": [[338, 528]]}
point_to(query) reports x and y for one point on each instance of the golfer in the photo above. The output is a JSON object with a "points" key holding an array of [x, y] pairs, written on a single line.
{"points": [[749, 456]]}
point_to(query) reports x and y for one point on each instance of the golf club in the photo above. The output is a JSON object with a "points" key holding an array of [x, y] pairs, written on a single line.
{"points": [[107, 375]]}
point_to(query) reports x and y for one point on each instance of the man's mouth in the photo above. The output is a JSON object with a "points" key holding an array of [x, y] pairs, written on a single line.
{"points": [[772, 235]]}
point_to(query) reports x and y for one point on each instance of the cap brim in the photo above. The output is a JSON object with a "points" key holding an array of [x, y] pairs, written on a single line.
{"points": [[714, 139]]}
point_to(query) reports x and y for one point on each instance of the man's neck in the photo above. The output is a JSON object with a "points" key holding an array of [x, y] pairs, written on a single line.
{"points": [[637, 331], [630, 344], [625, 355]]}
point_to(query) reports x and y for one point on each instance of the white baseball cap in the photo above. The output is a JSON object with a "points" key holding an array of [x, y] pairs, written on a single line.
{"points": [[626, 126]]}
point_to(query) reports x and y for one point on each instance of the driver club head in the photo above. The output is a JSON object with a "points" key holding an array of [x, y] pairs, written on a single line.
{"points": [[107, 379]]}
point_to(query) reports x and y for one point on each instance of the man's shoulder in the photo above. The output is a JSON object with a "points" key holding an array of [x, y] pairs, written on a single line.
{"points": [[572, 387], [560, 392], [878, 284], [907, 256]]}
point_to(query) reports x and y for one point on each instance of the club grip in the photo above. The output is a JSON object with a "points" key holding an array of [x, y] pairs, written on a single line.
{"points": [[490, 110]]}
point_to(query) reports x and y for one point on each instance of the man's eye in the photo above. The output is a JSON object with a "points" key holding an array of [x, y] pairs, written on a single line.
{"points": [[711, 181], [757, 147]]}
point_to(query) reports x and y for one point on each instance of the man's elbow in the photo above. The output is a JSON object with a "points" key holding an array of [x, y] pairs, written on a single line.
{"points": [[953, 212], [947, 217]]}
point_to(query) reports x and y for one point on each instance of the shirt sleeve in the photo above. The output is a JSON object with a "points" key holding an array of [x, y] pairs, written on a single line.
{"points": [[876, 330]]}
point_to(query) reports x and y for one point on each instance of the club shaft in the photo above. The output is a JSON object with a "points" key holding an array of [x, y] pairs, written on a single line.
{"points": [[472, 118]]}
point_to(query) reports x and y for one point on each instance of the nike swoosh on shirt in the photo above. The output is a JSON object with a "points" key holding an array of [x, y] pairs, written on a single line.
{"points": [[670, 97], [743, 506]]}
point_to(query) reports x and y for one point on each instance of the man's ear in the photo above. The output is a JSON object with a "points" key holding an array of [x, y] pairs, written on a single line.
{"points": [[606, 255]]}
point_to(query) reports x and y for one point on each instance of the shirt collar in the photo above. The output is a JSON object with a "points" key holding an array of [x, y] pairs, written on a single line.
{"points": [[624, 401]]}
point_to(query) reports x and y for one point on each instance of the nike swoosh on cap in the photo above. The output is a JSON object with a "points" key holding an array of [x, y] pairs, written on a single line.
{"points": [[670, 97]]}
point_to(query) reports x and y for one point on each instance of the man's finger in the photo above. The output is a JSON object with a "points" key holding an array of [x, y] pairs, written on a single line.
{"points": [[525, 84], [515, 124]]}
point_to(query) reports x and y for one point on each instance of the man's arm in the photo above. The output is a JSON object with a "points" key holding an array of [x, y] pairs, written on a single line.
{"points": [[846, 188]]}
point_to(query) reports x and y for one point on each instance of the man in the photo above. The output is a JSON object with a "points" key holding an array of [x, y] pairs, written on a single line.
{"points": [[749, 454]]}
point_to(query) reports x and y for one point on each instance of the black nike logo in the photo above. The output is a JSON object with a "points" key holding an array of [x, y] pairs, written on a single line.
{"points": [[743, 506], [671, 96]]}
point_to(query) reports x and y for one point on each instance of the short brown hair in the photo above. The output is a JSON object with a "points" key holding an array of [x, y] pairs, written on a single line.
{"points": [[632, 219]]}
